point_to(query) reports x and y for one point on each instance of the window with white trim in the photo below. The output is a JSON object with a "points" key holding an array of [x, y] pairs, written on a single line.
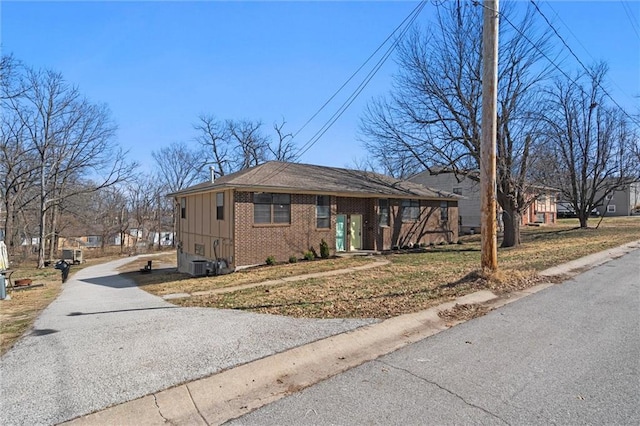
{"points": [[611, 208]]}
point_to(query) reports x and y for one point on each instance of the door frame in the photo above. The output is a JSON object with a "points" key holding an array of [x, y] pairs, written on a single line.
{"points": [[351, 237]]}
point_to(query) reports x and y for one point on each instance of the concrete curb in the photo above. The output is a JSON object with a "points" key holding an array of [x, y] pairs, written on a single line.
{"points": [[570, 269], [234, 392], [239, 390]]}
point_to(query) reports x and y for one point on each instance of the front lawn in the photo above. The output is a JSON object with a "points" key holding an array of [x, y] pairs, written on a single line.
{"points": [[410, 282]]}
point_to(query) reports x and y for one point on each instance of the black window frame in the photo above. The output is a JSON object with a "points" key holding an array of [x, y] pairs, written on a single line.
{"points": [[220, 206], [383, 212], [183, 207], [444, 211], [412, 206], [323, 212], [278, 204]]}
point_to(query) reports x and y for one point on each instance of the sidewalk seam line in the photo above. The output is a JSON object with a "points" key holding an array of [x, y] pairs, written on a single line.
{"points": [[155, 401], [195, 405]]}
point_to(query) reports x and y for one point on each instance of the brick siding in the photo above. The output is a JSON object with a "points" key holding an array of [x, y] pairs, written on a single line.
{"points": [[254, 243]]}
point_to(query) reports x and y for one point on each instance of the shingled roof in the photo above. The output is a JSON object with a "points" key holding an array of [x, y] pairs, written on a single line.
{"points": [[306, 178]]}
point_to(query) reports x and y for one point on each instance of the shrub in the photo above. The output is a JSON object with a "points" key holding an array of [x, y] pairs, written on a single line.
{"points": [[271, 261], [293, 259], [324, 249], [308, 255]]}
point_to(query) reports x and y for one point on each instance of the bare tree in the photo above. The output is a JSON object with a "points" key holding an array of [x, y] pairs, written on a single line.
{"points": [[179, 166], [283, 149], [250, 144], [214, 136], [234, 145], [590, 151], [72, 140], [431, 119]]}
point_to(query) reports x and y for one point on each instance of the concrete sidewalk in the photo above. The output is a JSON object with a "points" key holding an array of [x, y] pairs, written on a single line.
{"points": [[237, 391], [104, 341]]}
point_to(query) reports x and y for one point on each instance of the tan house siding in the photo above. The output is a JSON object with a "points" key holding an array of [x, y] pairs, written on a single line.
{"points": [[279, 240], [196, 234]]}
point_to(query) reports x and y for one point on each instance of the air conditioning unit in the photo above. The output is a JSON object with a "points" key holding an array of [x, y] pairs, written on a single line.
{"points": [[198, 268], [217, 267]]}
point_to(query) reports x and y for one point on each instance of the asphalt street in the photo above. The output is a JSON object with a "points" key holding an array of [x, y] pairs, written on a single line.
{"points": [[103, 341], [567, 355]]}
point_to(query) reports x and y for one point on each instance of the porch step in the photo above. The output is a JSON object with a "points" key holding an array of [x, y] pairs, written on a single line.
{"points": [[358, 253]]}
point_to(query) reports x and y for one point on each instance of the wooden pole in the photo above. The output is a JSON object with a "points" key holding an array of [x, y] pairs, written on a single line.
{"points": [[488, 226]]}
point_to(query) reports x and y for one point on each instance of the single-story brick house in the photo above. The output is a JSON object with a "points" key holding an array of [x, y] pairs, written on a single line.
{"points": [[283, 209]]}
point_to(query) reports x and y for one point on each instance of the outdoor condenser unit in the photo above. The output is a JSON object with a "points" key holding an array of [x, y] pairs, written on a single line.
{"points": [[198, 268]]}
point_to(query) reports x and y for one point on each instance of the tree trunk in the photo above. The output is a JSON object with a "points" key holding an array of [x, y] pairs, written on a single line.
{"points": [[42, 239], [8, 227], [511, 233], [584, 219], [53, 242]]}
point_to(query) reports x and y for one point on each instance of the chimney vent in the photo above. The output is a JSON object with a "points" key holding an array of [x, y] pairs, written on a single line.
{"points": [[213, 174]]}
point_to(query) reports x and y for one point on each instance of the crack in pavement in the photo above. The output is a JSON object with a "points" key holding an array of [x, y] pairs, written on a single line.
{"points": [[195, 406], [155, 401], [446, 390]]}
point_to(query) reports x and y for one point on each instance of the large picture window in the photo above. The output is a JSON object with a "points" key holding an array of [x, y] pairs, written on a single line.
{"points": [[323, 211], [410, 210], [271, 208], [383, 212]]}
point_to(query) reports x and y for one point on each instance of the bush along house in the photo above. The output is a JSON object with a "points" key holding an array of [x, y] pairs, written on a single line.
{"points": [[282, 210]]}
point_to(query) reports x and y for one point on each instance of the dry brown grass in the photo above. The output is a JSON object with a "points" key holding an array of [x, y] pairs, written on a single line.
{"points": [[164, 278], [412, 282], [18, 314]]}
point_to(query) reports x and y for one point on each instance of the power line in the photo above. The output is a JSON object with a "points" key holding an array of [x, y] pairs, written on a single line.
{"points": [[402, 28], [355, 73], [583, 46], [577, 59], [627, 11]]}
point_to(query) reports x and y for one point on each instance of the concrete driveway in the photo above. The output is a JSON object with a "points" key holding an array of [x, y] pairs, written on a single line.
{"points": [[104, 342]]}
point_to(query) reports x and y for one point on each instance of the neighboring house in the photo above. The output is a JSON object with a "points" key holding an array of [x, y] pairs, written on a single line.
{"points": [[623, 202], [284, 209], [542, 210]]}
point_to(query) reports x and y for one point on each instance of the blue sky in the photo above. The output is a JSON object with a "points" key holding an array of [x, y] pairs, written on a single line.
{"points": [[158, 65]]}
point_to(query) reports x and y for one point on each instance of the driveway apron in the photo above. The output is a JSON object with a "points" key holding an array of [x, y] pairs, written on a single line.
{"points": [[104, 341]]}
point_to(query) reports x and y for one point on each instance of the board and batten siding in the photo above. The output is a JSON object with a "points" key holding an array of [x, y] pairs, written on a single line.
{"points": [[198, 231]]}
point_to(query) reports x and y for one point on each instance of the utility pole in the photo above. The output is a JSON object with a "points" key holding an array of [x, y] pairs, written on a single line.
{"points": [[488, 226]]}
